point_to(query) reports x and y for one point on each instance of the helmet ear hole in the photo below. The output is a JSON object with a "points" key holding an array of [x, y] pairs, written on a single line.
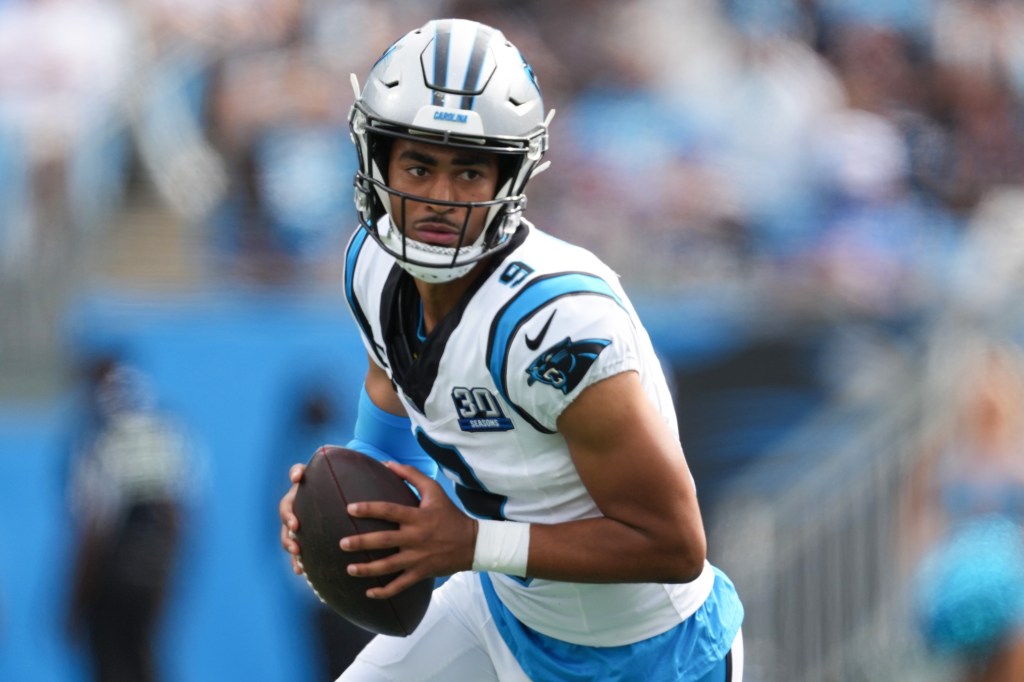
{"points": [[500, 222], [379, 151], [508, 167], [380, 154]]}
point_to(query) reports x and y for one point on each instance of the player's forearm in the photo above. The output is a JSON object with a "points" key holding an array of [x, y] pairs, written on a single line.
{"points": [[603, 550]]}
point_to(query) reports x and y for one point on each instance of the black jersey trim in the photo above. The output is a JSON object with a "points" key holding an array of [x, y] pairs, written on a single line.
{"points": [[415, 364]]}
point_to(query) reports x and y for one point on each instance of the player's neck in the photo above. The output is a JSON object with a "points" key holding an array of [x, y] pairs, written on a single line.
{"points": [[440, 298]]}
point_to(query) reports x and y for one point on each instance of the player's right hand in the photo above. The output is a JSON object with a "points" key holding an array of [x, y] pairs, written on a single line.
{"points": [[433, 539], [290, 522]]}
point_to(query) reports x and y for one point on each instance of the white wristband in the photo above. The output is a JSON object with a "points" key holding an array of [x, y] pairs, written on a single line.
{"points": [[502, 547]]}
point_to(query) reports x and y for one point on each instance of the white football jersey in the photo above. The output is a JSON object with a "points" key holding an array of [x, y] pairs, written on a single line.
{"points": [[485, 389]]}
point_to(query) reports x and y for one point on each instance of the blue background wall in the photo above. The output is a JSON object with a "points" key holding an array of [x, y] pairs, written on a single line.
{"points": [[228, 367]]}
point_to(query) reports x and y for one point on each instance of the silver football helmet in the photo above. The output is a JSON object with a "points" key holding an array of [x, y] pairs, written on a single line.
{"points": [[462, 84]]}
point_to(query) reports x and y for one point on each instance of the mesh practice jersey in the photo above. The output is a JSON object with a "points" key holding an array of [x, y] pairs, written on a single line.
{"points": [[484, 391]]}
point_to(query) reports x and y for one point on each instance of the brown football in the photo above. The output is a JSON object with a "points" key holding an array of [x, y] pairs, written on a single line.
{"points": [[336, 476]]}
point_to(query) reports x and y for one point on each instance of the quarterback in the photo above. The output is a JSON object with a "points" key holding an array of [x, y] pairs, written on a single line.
{"points": [[517, 363]]}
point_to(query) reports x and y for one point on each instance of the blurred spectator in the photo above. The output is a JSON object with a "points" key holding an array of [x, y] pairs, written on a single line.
{"points": [[965, 538], [881, 252], [63, 164], [776, 92], [128, 492], [168, 99], [275, 124], [283, 137], [990, 266], [892, 73], [981, 39], [633, 146], [976, 97], [62, 75], [987, 138]]}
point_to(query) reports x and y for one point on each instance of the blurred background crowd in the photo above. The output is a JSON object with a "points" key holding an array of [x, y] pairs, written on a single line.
{"points": [[818, 206]]}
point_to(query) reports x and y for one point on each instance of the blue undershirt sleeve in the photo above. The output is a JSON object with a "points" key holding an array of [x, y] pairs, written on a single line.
{"points": [[388, 437]]}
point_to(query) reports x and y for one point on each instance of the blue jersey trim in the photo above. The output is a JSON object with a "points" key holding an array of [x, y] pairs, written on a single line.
{"points": [[524, 305], [686, 653], [351, 256]]}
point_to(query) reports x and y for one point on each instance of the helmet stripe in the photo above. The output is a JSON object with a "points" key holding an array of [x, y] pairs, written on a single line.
{"points": [[476, 64], [442, 43]]}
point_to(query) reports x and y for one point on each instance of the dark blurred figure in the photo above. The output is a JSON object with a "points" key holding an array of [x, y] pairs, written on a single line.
{"points": [[127, 490]]}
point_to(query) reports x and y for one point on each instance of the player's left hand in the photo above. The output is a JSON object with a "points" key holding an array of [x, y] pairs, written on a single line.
{"points": [[290, 522], [434, 539]]}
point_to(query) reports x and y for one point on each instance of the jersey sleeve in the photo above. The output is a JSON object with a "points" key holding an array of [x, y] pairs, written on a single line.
{"points": [[548, 348]]}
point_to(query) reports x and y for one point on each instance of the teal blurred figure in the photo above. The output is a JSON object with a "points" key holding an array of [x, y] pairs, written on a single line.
{"points": [[968, 586]]}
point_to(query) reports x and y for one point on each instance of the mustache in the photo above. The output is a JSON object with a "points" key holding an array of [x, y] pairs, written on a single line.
{"points": [[438, 220]]}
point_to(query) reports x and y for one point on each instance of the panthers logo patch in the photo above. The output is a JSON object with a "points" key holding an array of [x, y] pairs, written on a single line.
{"points": [[565, 364]]}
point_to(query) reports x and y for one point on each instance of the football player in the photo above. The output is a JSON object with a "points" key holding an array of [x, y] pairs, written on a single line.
{"points": [[518, 364]]}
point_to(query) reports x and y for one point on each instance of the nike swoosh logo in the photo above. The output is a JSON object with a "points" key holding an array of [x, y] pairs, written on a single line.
{"points": [[534, 343]]}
